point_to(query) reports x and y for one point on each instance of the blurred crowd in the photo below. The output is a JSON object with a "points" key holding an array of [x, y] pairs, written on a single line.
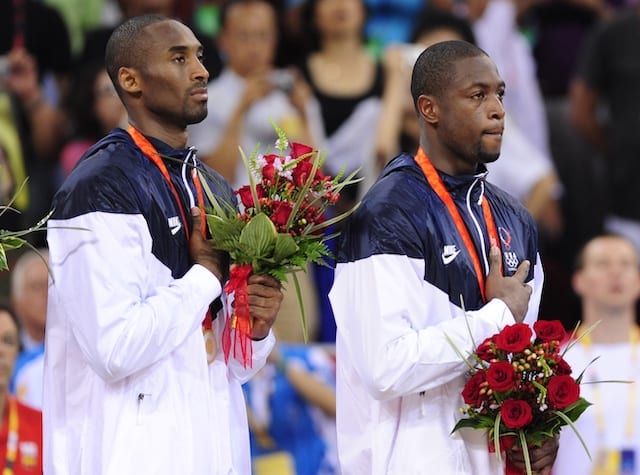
{"points": [[334, 74]]}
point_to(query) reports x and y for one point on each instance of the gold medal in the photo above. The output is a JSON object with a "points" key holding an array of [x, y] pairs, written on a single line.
{"points": [[210, 344]]}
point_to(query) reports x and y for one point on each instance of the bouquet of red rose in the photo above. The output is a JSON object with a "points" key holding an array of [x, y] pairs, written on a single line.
{"points": [[278, 228], [521, 389]]}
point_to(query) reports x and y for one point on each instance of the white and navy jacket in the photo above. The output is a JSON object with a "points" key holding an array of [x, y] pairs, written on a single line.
{"points": [[127, 387], [403, 281]]}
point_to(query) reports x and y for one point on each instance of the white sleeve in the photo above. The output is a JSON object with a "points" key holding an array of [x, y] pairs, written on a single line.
{"points": [[396, 325], [123, 307]]}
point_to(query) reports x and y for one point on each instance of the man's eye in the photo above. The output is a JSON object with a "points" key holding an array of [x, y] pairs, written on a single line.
{"points": [[179, 59]]}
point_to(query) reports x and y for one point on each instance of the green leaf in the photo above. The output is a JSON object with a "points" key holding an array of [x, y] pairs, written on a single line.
{"points": [[525, 451], [225, 231], [284, 247], [305, 332], [11, 242], [258, 236], [4, 265]]}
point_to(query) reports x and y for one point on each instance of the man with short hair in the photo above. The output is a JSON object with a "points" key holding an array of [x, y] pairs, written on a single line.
{"points": [[425, 249], [130, 385], [607, 281]]}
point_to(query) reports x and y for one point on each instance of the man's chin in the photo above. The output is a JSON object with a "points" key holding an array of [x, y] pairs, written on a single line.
{"points": [[489, 157], [198, 116]]}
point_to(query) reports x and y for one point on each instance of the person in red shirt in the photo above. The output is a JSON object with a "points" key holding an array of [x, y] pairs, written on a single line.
{"points": [[21, 429]]}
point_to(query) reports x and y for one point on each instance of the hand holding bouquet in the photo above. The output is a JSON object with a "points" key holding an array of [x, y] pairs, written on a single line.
{"points": [[278, 228], [521, 389]]}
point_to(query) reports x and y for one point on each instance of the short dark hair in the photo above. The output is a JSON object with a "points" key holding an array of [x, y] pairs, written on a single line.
{"points": [[435, 66], [431, 19], [124, 47]]}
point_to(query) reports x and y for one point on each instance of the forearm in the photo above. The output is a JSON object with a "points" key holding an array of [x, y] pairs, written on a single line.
{"points": [[46, 121], [313, 390], [402, 344], [121, 321]]}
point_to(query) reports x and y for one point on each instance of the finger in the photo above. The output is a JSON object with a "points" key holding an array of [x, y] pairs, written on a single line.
{"points": [[264, 279], [195, 214], [495, 259], [523, 271]]}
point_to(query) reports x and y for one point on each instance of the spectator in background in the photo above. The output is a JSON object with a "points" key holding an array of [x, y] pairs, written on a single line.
{"points": [[34, 45], [20, 425], [292, 409], [251, 92], [29, 288], [605, 108], [96, 39], [348, 82], [607, 281], [248, 95], [94, 109]]}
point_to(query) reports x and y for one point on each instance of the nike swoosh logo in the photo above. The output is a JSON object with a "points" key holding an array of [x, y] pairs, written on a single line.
{"points": [[175, 229], [449, 257]]}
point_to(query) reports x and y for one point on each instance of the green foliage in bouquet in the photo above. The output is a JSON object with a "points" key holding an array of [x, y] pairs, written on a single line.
{"points": [[279, 226]]}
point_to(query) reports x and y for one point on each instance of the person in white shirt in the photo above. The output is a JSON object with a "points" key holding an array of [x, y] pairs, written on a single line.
{"points": [[607, 281]]}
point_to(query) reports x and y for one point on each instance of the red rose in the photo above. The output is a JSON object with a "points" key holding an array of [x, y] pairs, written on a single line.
{"points": [[270, 158], [514, 338], [562, 367], [562, 391], [485, 350], [301, 172], [281, 212], [548, 330], [299, 149], [515, 413], [245, 196], [471, 391], [501, 376], [268, 173]]}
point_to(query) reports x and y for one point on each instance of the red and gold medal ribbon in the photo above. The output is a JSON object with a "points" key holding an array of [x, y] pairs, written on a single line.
{"points": [[238, 329], [12, 437], [152, 154], [432, 176]]}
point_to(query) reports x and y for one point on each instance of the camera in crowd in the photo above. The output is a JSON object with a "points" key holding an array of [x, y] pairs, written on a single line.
{"points": [[282, 79]]}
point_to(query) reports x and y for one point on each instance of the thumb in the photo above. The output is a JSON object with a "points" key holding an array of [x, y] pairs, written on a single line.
{"points": [[495, 260]]}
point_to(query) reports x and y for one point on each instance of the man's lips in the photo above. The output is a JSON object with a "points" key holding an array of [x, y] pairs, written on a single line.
{"points": [[200, 93], [495, 132]]}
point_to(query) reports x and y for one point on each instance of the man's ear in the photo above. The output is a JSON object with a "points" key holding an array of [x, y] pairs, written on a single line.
{"points": [[129, 80], [428, 109]]}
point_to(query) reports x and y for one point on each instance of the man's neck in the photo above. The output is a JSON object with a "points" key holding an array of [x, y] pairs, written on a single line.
{"points": [[614, 325], [175, 137]]}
